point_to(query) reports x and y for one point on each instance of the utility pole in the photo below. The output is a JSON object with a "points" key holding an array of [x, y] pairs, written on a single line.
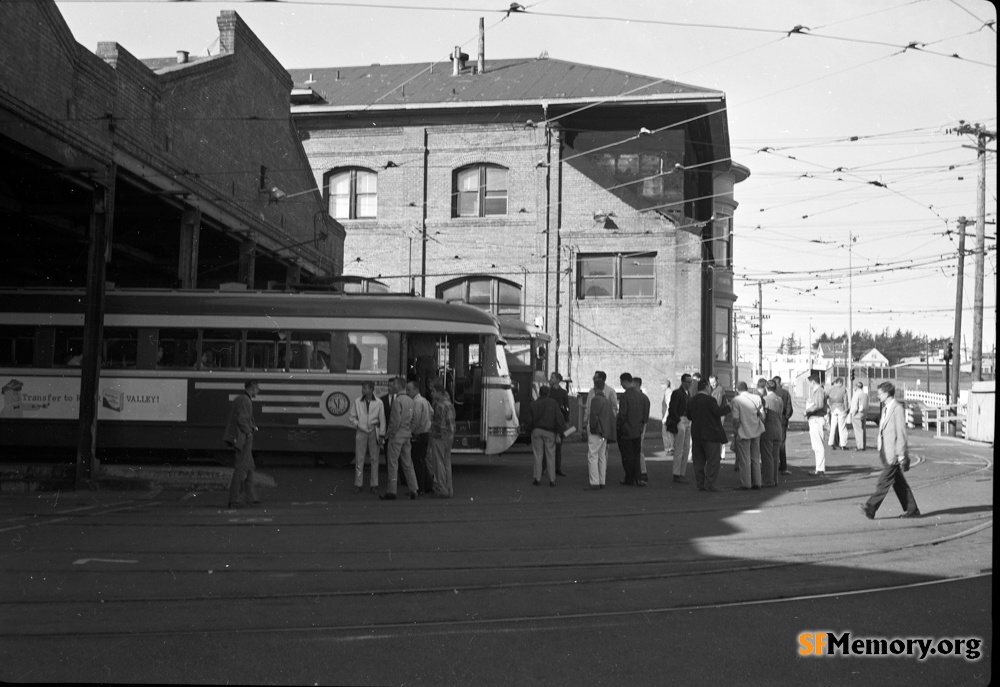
{"points": [[982, 137], [760, 325], [850, 307], [956, 367], [760, 332]]}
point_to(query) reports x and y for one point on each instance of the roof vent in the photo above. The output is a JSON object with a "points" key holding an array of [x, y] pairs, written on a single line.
{"points": [[182, 56]]}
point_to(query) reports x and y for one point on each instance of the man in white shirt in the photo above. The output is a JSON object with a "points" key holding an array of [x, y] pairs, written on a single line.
{"points": [[599, 420], [859, 409], [816, 417], [367, 416], [747, 409], [423, 413], [398, 442]]}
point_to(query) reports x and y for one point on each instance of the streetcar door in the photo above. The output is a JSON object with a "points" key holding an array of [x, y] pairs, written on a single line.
{"points": [[457, 359]]}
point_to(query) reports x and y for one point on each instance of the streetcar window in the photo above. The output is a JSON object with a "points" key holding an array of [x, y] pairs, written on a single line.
{"points": [[310, 351], [68, 346], [367, 352], [220, 349], [120, 347], [177, 348], [521, 351], [502, 369], [17, 346], [263, 350]]}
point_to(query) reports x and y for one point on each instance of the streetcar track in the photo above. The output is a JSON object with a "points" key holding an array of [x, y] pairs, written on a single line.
{"points": [[765, 564], [422, 625]]}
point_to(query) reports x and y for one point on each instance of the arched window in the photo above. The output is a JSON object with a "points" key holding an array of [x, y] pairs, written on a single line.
{"points": [[498, 296], [480, 190], [352, 193]]}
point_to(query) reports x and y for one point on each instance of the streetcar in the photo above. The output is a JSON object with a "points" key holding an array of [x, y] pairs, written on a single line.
{"points": [[527, 360], [172, 361]]}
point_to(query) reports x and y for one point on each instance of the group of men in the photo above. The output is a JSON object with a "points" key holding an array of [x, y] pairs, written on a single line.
{"points": [[410, 426], [832, 407], [693, 430], [623, 421], [692, 422]]}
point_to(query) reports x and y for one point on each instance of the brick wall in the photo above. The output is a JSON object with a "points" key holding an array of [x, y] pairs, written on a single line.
{"points": [[657, 338], [208, 125]]}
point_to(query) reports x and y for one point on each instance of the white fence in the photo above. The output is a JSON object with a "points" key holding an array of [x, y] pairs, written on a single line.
{"points": [[931, 411]]}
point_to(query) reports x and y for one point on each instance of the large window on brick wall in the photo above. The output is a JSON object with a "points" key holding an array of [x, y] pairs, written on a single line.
{"points": [[498, 296], [352, 193], [616, 275], [480, 191]]}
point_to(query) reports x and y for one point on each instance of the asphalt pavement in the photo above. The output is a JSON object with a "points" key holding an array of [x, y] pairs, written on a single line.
{"points": [[507, 583]]}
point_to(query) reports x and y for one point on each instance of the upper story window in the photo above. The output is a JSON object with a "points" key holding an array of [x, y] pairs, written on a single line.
{"points": [[352, 193], [722, 249], [616, 275], [722, 317], [498, 296], [480, 191]]}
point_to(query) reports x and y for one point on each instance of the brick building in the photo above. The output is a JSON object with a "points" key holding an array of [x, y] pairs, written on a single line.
{"points": [[191, 168], [594, 203]]}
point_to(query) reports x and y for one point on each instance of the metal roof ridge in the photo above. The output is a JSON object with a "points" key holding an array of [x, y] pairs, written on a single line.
{"points": [[704, 96]]}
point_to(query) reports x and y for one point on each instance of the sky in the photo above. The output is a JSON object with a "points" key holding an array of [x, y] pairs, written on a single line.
{"points": [[844, 111]]}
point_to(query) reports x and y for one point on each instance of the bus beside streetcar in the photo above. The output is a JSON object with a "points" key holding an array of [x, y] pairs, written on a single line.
{"points": [[172, 361]]}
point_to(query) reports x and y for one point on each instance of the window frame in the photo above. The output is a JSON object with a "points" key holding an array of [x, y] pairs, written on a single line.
{"points": [[484, 194], [617, 277], [728, 334], [496, 305], [353, 193]]}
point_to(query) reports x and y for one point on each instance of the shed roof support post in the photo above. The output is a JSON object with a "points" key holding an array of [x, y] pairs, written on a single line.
{"points": [[247, 262], [99, 253], [190, 236]]}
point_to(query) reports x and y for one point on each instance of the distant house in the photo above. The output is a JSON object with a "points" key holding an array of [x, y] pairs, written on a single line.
{"points": [[829, 353], [873, 358]]}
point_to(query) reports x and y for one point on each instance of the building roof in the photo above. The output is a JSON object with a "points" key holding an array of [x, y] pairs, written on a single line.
{"points": [[502, 81], [829, 349]]}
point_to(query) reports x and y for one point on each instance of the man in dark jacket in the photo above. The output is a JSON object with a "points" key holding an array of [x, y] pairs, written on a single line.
{"points": [[679, 425], [561, 397], [547, 424], [707, 435], [630, 424], [239, 434], [786, 399]]}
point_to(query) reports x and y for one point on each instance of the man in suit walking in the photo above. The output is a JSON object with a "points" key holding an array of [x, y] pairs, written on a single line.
{"points": [[893, 451]]}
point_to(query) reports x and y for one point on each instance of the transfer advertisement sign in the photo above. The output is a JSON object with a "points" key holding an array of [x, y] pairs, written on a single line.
{"points": [[121, 399]]}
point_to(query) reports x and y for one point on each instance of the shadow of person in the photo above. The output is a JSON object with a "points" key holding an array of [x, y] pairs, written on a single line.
{"points": [[963, 510]]}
